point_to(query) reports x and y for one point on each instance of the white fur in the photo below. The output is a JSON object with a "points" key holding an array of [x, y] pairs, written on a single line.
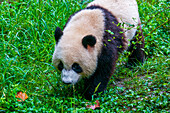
{"points": [[69, 76], [70, 49], [126, 11]]}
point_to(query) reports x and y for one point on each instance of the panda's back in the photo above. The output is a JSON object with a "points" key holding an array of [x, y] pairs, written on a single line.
{"points": [[126, 11]]}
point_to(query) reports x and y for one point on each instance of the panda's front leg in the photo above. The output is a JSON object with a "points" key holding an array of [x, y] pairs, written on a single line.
{"points": [[94, 85], [106, 64], [136, 48]]}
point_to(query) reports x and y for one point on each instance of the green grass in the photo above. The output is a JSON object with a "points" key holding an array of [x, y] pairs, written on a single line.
{"points": [[26, 48]]}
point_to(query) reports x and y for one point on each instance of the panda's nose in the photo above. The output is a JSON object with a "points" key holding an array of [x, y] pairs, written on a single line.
{"points": [[69, 76]]}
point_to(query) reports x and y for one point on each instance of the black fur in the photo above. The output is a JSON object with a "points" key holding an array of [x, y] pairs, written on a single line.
{"points": [[109, 55], [89, 40], [60, 66], [77, 68], [58, 34], [137, 54]]}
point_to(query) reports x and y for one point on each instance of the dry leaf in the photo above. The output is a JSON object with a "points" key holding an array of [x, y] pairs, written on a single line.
{"points": [[97, 105], [22, 96]]}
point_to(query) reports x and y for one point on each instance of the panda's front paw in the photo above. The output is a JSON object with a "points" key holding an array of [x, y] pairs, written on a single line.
{"points": [[88, 95]]}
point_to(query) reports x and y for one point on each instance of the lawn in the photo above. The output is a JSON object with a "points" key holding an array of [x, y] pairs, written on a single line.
{"points": [[27, 44]]}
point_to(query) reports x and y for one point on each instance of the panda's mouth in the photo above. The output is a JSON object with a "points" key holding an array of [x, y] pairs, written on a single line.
{"points": [[70, 76], [66, 82]]}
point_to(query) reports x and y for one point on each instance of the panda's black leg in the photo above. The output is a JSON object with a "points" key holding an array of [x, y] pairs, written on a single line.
{"points": [[94, 85], [97, 83], [136, 48]]}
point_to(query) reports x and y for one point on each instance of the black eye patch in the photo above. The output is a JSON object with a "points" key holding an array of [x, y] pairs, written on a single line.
{"points": [[77, 68], [60, 66]]}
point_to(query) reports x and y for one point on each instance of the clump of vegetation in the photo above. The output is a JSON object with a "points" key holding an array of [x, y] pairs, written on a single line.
{"points": [[27, 45]]}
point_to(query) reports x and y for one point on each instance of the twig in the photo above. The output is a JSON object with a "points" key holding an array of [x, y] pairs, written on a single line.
{"points": [[157, 14], [157, 28]]}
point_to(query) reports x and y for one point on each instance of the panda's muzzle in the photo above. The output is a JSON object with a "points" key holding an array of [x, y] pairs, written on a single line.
{"points": [[70, 76]]}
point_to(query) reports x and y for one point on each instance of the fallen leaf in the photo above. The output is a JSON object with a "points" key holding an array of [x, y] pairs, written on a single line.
{"points": [[22, 96], [97, 105]]}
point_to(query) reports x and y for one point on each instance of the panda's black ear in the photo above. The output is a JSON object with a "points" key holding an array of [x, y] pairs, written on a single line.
{"points": [[89, 40], [58, 34]]}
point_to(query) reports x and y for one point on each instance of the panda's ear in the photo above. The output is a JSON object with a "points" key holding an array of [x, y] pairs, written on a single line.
{"points": [[89, 40], [58, 34]]}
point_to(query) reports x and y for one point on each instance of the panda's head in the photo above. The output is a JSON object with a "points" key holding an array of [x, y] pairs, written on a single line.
{"points": [[72, 60], [78, 46]]}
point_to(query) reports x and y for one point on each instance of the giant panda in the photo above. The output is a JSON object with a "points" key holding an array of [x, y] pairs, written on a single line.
{"points": [[92, 39]]}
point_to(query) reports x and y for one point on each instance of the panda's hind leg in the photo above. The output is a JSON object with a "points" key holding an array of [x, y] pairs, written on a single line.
{"points": [[136, 49]]}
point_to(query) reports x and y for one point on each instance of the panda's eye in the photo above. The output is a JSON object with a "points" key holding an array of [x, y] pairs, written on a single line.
{"points": [[77, 68], [60, 66]]}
